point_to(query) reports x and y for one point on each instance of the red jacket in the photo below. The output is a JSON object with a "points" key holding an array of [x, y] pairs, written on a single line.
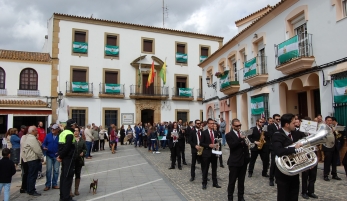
{"points": [[41, 134]]}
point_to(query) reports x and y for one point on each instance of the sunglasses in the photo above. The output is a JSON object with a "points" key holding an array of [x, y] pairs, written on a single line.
{"points": [[198, 123], [238, 125], [277, 119]]}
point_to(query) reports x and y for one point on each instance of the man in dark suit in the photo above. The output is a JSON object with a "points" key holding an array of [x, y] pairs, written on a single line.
{"points": [[190, 127], [255, 151], [271, 129], [287, 186], [194, 141], [330, 155], [207, 141], [238, 160]]}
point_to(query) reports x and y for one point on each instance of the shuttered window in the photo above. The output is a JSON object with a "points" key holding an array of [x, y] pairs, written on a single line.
{"points": [[2, 78], [111, 40], [111, 77], [181, 48], [79, 76], [111, 117], [80, 36], [204, 51], [28, 79], [183, 116], [79, 116], [147, 45]]}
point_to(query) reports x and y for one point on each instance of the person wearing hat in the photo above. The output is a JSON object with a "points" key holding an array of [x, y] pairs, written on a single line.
{"points": [[50, 144], [66, 157]]}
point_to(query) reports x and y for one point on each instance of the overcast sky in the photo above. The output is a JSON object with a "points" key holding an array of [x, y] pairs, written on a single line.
{"points": [[23, 23]]}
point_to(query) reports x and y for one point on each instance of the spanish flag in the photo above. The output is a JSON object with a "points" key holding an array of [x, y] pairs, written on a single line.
{"points": [[151, 75]]}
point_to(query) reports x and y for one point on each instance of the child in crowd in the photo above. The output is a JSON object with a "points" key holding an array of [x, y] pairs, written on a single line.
{"points": [[7, 170]]}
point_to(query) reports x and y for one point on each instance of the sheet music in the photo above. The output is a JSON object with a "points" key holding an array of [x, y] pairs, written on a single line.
{"points": [[216, 152], [308, 127]]}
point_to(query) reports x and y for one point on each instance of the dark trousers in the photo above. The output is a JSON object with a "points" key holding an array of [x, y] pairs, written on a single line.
{"points": [[264, 155], [25, 175], [310, 176], [195, 158], [33, 170], [287, 187], [96, 145], [330, 158], [144, 138], [220, 160], [122, 139], [175, 153], [239, 174], [66, 177], [183, 156], [206, 161], [78, 169], [102, 144], [344, 162], [272, 166]]}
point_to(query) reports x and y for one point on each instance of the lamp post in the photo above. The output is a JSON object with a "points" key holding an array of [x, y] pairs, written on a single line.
{"points": [[213, 85], [60, 97]]}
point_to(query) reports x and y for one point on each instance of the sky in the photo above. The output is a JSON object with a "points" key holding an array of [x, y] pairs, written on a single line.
{"points": [[23, 23]]}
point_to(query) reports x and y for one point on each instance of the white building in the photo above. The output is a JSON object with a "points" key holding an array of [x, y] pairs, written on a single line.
{"points": [[288, 78], [25, 89], [78, 47]]}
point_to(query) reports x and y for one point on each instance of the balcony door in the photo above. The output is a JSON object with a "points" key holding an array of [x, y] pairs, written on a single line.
{"points": [[150, 89], [301, 31], [302, 100]]}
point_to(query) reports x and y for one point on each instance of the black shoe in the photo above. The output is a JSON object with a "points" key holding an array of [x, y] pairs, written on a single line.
{"points": [[265, 175], [305, 196], [184, 163], [180, 168], [326, 178], [312, 195], [271, 183], [216, 186], [22, 191], [222, 166], [336, 177], [192, 179], [172, 167], [204, 187], [35, 194], [250, 174], [241, 199]]}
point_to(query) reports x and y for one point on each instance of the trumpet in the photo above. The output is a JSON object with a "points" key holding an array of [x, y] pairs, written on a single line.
{"points": [[200, 149], [262, 138], [247, 141]]}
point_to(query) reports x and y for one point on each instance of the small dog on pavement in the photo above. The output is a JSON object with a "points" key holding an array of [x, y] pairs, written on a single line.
{"points": [[94, 186]]}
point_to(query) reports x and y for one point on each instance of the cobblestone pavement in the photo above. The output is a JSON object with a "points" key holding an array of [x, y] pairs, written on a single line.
{"points": [[256, 188]]}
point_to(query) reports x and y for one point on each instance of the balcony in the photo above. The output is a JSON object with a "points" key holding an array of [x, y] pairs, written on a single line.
{"points": [[21, 92], [295, 54], [79, 89], [182, 94], [152, 92], [111, 90], [255, 71], [199, 96], [228, 86]]}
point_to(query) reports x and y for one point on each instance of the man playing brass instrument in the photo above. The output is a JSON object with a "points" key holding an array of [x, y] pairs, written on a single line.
{"points": [[256, 150], [287, 186], [194, 141]]}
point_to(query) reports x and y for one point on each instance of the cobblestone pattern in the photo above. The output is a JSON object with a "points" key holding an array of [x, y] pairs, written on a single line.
{"points": [[256, 188]]}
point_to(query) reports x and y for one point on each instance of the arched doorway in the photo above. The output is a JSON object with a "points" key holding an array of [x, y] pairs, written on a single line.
{"points": [[147, 116]]}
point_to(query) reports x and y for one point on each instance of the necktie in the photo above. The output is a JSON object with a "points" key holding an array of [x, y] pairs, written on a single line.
{"points": [[199, 135], [238, 133], [212, 137], [290, 136], [277, 127]]}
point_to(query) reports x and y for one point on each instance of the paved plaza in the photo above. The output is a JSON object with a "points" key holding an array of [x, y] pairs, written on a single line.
{"points": [[136, 174]]}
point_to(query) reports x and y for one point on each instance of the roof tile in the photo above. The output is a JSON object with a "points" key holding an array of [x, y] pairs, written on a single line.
{"points": [[24, 56]]}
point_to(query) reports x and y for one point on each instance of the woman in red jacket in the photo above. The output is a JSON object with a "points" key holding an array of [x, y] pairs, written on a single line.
{"points": [[113, 138]]}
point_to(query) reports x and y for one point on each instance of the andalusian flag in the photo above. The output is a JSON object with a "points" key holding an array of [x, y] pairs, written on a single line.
{"points": [[163, 72], [111, 50], [151, 75], [185, 92], [288, 49], [79, 47], [250, 68], [340, 91], [257, 105], [181, 58], [202, 58], [112, 88], [80, 87], [224, 81]]}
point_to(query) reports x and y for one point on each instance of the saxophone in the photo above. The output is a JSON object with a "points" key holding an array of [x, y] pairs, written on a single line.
{"points": [[262, 138]]}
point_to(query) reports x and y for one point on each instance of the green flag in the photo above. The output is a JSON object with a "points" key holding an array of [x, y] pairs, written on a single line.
{"points": [[112, 88], [224, 81], [257, 105], [181, 58], [111, 50], [202, 58], [340, 91], [185, 92], [139, 74], [288, 49], [79, 47], [250, 68], [80, 87]]}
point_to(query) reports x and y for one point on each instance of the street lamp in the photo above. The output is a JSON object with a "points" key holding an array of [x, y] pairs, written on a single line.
{"points": [[213, 85], [60, 97]]}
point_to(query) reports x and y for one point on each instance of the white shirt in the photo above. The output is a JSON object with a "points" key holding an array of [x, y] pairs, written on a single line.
{"points": [[287, 133], [236, 133], [197, 136]]}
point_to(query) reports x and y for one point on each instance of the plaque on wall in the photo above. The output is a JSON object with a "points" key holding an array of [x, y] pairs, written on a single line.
{"points": [[127, 119]]}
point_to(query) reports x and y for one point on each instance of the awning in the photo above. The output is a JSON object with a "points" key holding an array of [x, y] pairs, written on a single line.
{"points": [[26, 111], [263, 90]]}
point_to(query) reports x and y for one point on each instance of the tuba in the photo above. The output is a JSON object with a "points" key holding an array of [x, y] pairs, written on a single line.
{"points": [[262, 138], [305, 158], [247, 141]]}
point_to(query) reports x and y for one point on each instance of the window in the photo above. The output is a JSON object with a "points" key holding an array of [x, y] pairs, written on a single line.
{"points": [[344, 7], [111, 77], [181, 82], [181, 53], [2, 78], [28, 79], [79, 75], [79, 115], [236, 78], [182, 114], [111, 45], [204, 52], [80, 42], [111, 117], [210, 113], [80, 36], [301, 31], [148, 45], [262, 60]]}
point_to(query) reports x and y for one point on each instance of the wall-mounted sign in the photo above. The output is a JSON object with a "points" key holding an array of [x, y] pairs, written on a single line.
{"points": [[127, 118]]}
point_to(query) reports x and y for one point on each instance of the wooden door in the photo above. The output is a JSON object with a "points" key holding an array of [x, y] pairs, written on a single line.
{"points": [[302, 101], [145, 90]]}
